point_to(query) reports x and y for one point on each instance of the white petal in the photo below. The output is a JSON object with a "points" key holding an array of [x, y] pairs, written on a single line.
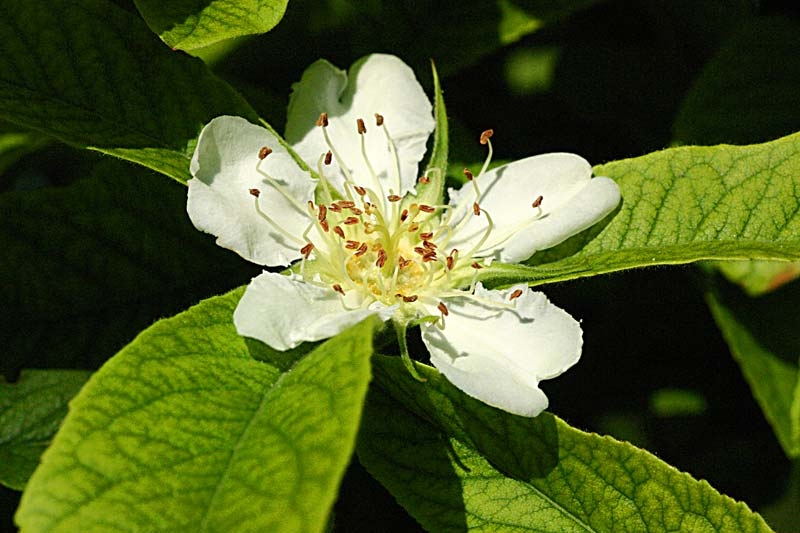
{"points": [[497, 350], [285, 311], [572, 202], [375, 84], [224, 167]]}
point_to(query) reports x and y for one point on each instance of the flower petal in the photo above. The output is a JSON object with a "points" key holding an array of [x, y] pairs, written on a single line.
{"points": [[497, 349], [377, 83], [225, 167], [284, 311], [572, 201]]}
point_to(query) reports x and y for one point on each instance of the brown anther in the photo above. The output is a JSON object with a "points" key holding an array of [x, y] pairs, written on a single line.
{"points": [[429, 245], [409, 299], [349, 221], [338, 231], [382, 256], [368, 208], [352, 245], [356, 211], [486, 135], [346, 204], [310, 205], [516, 294], [394, 198], [323, 212], [429, 257], [413, 227], [324, 225], [376, 246], [378, 119], [368, 228], [360, 190], [424, 180], [476, 209], [468, 174], [536, 203], [362, 129], [420, 250], [322, 121], [450, 261], [426, 208], [335, 208], [442, 309], [255, 192], [361, 250], [403, 262], [338, 288], [404, 215], [306, 250], [428, 235], [328, 158], [264, 152], [476, 265]]}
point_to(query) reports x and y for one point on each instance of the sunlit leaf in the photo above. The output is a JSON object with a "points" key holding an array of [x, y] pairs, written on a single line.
{"points": [[184, 431]]}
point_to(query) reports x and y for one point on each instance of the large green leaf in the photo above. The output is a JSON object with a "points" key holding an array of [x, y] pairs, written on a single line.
{"points": [[93, 75], [184, 431], [84, 268], [31, 411], [762, 335], [192, 24], [682, 205], [457, 465]]}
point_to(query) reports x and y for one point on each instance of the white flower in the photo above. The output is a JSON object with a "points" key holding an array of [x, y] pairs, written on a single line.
{"points": [[366, 244]]}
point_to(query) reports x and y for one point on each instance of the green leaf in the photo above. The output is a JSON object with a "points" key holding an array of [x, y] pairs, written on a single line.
{"points": [[740, 96], [436, 171], [30, 412], [86, 267], [457, 465], [15, 144], [762, 335], [184, 431], [759, 277], [683, 205], [191, 24], [93, 75]]}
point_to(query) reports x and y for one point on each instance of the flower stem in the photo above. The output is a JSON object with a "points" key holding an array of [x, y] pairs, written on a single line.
{"points": [[400, 326]]}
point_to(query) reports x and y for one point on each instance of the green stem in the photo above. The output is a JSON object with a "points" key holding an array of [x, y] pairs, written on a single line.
{"points": [[400, 327]]}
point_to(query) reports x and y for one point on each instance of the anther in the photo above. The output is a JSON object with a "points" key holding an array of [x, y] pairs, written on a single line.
{"points": [[351, 245], [476, 209], [468, 174], [360, 190], [322, 121], [255, 192], [378, 119], [426, 236], [413, 227], [335, 208], [382, 256], [349, 221], [356, 211], [449, 260], [420, 250], [346, 204], [394, 198], [409, 299], [328, 158], [310, 205], [486, 135], [424, 180], [443, 309], [323, 212], [429, 257], [338, 231], [403, 262], [362, 129], [338, 288], [264, 152], [476, 265], [536, 203], [324, 225], [426, 208], [516, 294], [361, 250], [306, 250], [429, 245], [403, 215]]}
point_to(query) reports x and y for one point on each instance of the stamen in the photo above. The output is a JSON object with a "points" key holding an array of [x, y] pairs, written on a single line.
{"points": [[349, 221], [338, 231], [306, 250], [264, 152], [424, 180], [338, 288], [413, 227], [356, 211], [324, 225], [476, 209], [322, 121], [362, 129], [335, 208], [323, 212], [443, 309], [346, 204], [378, 119], [426, 208], [409, 299], [328, 157], [403, 262], [516, 294], [476, 265], [382, 256], [360, 190], [404, 215], [420, 250], [352, 245], [429, 245], [255, 192], [536, 203], [469, 174], [426, 236], [361, 250], [394, 198], [486, 135], [429, 257], [451, 259]]}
